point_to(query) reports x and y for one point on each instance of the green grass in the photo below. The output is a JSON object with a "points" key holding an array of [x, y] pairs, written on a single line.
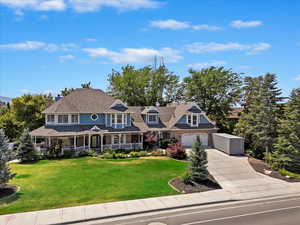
{"points": [[288, 173], [62, 183]]}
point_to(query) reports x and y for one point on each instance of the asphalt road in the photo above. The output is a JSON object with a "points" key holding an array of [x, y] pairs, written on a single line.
{"points": [[280, 211]]}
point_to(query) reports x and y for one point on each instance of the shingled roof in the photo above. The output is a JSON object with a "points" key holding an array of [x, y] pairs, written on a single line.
{"points": [[82, 100]]}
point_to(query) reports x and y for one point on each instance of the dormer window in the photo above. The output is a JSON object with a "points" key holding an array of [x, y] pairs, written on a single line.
{"points": [[94, 117], [192, 120], [152, 118]]}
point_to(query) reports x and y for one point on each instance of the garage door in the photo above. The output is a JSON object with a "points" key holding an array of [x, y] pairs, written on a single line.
{"points": [[188, 139]]}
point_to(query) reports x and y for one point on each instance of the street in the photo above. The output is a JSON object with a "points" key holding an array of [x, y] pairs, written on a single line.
{"points": [[280, 211]]}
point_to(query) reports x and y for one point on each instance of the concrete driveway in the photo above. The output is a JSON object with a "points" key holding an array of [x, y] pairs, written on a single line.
{"points": [[236, 175]]}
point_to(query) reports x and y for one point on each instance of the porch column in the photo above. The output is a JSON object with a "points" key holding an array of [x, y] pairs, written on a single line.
{"points": [[101, 142], [89, 141], [84, 141], [141, 140], [49, 141], [75, 142], [120, 140]]}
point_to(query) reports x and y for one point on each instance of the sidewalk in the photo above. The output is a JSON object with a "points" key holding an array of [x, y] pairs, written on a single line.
{"points": [[97, 211]]}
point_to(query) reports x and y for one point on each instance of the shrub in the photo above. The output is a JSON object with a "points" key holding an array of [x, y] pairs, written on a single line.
{"points": [[164, 143], [142, 153], [107, 155], [26, 151], [187, 178], [198, 166], [90, 152], [158, 152], [176, 151], [68, 153], [134, 154]]}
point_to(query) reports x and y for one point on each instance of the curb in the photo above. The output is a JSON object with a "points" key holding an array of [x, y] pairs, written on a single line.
{"points": [[141, 212]]}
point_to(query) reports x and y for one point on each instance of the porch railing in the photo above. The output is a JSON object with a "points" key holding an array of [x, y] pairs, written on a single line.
{"points": [[123, 146]]}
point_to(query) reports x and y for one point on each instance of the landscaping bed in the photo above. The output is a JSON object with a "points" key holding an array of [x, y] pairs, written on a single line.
{"points": [[7, 191], [262, 167], [179, 185]]}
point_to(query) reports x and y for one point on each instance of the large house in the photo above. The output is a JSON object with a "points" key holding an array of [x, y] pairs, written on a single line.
{"points": [[91, 119]]}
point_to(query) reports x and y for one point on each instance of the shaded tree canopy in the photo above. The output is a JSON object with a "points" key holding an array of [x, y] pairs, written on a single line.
{"points": [[145, 86]]}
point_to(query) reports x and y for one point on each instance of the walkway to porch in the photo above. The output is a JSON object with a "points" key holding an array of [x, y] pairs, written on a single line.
{"points": [[97, 141]]}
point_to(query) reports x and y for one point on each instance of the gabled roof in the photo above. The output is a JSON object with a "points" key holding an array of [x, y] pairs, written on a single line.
{"points": [[82, 100]]}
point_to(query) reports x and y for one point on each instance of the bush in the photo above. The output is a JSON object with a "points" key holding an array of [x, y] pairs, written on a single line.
{"points": [[142, 153], [176, 151], [164, 143], [107, 155], [187, 178], [90, 152], [68, 153], [158, 152], [134, 154]]}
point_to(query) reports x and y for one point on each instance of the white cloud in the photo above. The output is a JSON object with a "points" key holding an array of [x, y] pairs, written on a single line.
{"points": [[179, 25], [297, 78], [169, 24], [27, 45], [38, 5], [90, 40], [245, 24], [37, 45], [200, 47], [206, 27], [64, 58], [207, 64], [25, 91], [79, 5], [135, 55]]}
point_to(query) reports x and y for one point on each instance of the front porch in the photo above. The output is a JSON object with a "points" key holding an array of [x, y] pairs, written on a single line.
{"points": [[95, 141]]}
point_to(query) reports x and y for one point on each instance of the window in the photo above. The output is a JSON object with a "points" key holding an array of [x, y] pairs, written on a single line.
{"points": [[195, 120], [152, 118], [94, 117], [74, 118], [192, 119], [118, 120], [116, 139], [63, 118], [50, 118]]}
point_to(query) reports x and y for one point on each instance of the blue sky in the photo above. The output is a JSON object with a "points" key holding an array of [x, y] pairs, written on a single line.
{"points": [[47, 45]]}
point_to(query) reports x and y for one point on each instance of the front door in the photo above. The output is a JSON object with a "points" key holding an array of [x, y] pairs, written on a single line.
{"points": [[95, 141]]}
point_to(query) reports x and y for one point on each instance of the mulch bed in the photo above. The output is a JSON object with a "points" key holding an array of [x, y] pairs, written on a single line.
{"points": [[7, 191], [261, 167], [192, 188]]}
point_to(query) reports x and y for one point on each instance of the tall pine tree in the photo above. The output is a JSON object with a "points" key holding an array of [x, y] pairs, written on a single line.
{"points": [[5, 173], [26, 151], [258, 124], [198, 167], [287, 147]]}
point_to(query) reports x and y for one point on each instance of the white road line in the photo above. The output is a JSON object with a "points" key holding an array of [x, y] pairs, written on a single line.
{"points": [[241, 215], [208, 210]]}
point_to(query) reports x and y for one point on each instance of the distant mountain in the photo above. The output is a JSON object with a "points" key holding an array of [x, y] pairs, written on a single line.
{"points": [[5, 99]]}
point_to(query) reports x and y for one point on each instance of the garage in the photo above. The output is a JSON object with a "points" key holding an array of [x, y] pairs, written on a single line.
{"points": [[188, 139]]}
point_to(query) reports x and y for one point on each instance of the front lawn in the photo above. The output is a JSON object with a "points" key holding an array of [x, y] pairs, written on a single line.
{"points": [[62, 183]]}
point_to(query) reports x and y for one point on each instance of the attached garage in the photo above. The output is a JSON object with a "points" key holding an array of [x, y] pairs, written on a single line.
{"points": [[188, 139]]}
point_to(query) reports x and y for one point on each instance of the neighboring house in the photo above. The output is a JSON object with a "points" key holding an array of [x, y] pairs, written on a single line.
{"points": [[235, 113], [4, 101], [91, 119]]}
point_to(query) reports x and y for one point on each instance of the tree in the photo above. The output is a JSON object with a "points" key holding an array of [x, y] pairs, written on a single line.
{"points": [[198, 166], [5, 173], [216, 90], [145, 86], [67, 91], [287, 146], [26, 151], [258, 124]]}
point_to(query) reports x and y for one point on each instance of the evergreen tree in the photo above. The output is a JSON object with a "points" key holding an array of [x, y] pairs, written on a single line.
{"points": [[5, 174], [258, 124], [198, 167], [287, 147], [26, 151]]}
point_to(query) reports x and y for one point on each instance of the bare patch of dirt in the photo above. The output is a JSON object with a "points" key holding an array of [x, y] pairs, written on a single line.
{"points": [[207, 185], [262, 167]]}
